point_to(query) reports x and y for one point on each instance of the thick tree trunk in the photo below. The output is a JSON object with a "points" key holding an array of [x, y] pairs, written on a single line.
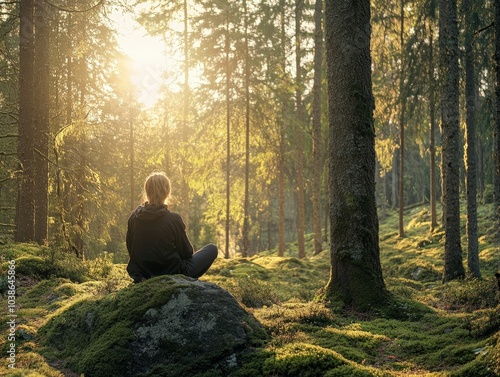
{"points": [[42, 84], [453, 266], [299, 4], [316, 115], [356, 274], [497, 111], [25, 210]]}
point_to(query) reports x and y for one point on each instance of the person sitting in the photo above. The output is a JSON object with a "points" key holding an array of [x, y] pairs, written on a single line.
{"points": [[156, 239]]}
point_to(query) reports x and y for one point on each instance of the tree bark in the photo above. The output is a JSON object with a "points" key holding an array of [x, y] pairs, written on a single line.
{"points": [[299, 4], [228, 141], [453, 266], [316, 115], [402, 100], [185, 123], [25, 210], [497, 112], [246, 210], [432, 147], [356, 274], [42, 129], [470, 97], [282, 146]]}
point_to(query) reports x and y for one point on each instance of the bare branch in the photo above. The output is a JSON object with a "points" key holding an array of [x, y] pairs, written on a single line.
{"points": [[484, 28], [8, 135]]}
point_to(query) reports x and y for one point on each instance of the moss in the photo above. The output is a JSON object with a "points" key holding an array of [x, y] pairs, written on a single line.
{"points": [[100, 329], [301, 359]]}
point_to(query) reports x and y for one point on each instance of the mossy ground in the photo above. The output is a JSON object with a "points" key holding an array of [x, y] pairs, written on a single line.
{"points": [[431, 329]]}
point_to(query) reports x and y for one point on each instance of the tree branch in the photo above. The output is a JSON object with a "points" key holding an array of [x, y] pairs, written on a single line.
{"points": [[484, 28], [74, 10], [8, 135]]}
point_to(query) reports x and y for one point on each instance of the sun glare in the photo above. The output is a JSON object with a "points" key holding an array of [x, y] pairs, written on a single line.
{"points": [[150, 64]]}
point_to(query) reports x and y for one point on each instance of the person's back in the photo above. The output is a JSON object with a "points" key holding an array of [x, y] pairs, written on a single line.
{"points": [[157, 242]]}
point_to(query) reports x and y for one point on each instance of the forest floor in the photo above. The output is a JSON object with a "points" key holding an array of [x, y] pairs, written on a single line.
{"points": [[434, 329]]}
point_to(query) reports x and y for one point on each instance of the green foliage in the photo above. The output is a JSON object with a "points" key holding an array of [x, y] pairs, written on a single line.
{"points": [[469, 295], [253, 293]]}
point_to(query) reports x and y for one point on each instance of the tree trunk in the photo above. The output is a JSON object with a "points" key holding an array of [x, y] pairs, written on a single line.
{"points": [[394, 183], [497, 112], [42, 84], [246, 210], [432, 147], [480, 169], [402, 100], [356, 274], [131, 151], [228, 141], [470, 96], [281, 202], [316, 115], [282, 147], [185, 124], [453, 266], [299, 4], [25, 210]]}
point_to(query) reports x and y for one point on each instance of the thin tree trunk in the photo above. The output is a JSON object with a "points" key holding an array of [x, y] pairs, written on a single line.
{"points": [[316, 114], [453, 266], [470, 96], [480, 168], [394, 184], [281, 202], [282, 148], [131, 151], [42, 84], [185, 190], [432, 147], [402, 100], [299, 4], [246, 225], [25, 210], [228, 136]]}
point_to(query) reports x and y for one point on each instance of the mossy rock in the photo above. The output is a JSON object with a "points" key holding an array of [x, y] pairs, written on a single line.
{"points": [[169, 326]]}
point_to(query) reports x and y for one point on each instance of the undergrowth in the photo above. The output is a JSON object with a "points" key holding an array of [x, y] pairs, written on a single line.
{"points": [[429, 329]]}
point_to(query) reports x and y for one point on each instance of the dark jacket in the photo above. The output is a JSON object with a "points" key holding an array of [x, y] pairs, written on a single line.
{"points": [[157, 242]]}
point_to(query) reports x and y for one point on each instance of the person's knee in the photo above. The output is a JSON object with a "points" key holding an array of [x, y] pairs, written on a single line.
{"points": [[212, 250]]}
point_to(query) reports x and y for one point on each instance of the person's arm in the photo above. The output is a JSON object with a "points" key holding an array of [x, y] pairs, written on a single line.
{"points": [[128, 239], [182, 243]]}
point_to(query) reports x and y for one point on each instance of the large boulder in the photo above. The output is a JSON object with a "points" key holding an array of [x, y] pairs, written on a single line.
{"points": [[166, 326]]}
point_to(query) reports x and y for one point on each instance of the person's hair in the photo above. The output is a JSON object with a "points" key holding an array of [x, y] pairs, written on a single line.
{"points": [[156, 188]]}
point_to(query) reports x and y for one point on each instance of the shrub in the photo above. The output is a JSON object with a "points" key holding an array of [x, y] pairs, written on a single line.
{"points": [[253, 293], [469, 295]]}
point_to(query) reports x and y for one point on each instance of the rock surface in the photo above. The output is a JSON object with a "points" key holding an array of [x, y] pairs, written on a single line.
{"points": [[166, 326]]}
